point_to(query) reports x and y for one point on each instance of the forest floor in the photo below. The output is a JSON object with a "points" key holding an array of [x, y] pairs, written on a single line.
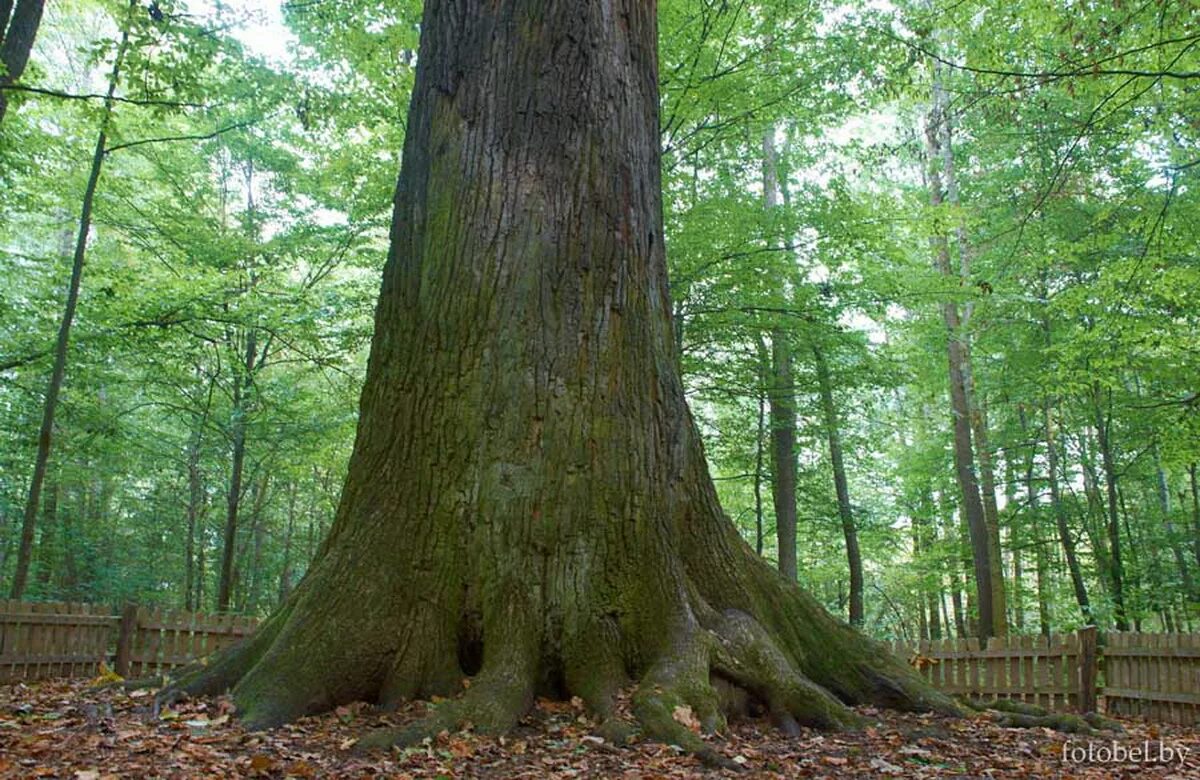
{"points": [[65, 729]]}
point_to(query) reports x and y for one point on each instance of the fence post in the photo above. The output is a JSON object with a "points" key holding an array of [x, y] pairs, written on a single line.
{"points": [[1088, 669], [125, 639]]}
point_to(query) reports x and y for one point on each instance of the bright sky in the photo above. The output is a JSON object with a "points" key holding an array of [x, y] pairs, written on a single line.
{"points": [[265, 35]]}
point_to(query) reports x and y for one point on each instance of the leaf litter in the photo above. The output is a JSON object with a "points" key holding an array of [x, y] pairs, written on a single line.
{"points": [[66, 729]]}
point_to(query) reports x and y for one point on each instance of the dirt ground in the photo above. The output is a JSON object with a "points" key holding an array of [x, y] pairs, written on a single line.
{"points": [[66, 729]]}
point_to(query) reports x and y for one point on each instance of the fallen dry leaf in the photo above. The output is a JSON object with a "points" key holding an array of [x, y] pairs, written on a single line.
{"points": [[683, 714], [52, 736]]}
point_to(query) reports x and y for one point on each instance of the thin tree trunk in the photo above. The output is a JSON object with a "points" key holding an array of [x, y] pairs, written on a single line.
{"points": [[924, 541], [195, 497], [1094, 521], [241, 389], [783, 452], [782, 402], [1041, 564], [69, 581], [50, 406], [991, 510], [964, 458], [841, 487], [1134, 583], [977, 413], [956, 600], [259, 536], [1060, 517], [18, 28], [285, 573], [1016, 540], [1195, 513], [51, 541], [760, 432], [1173, 540], [1103, 421]]}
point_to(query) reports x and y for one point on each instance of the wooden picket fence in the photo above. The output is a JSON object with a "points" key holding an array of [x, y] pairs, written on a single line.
{"points": [[39, 640], [1155, 676], [1152, 676], [1056, 672], [53, 639]]}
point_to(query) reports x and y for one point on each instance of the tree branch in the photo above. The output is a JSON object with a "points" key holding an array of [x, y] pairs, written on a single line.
{"points": [[90, 96], [1087, 69], [166, 139]]}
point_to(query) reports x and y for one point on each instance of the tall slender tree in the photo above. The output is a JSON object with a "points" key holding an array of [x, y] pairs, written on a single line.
{"points": [[58, 372]]}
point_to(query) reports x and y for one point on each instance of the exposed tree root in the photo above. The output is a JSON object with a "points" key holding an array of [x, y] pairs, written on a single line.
{"points": [[1017, 714], [675, 701], [687, 677], [747, 655]]}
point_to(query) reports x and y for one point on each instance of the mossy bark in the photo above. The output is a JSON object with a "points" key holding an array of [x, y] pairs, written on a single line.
{"points": [[528, 502]]}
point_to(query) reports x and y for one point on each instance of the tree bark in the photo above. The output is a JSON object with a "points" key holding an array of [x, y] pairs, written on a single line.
{"points": [[841, 486], [528, 501], [18, 29], [50, 404]]}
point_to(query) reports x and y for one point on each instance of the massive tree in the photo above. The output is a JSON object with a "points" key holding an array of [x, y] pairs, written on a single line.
{"points": [[528, 502]]}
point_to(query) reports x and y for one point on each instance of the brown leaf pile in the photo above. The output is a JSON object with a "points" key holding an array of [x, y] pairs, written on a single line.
{"points": [[64, 729]]}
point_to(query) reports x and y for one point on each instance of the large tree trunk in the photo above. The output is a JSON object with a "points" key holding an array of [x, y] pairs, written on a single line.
{"points": [[528, 500], [841, 486], [18, 28]]}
